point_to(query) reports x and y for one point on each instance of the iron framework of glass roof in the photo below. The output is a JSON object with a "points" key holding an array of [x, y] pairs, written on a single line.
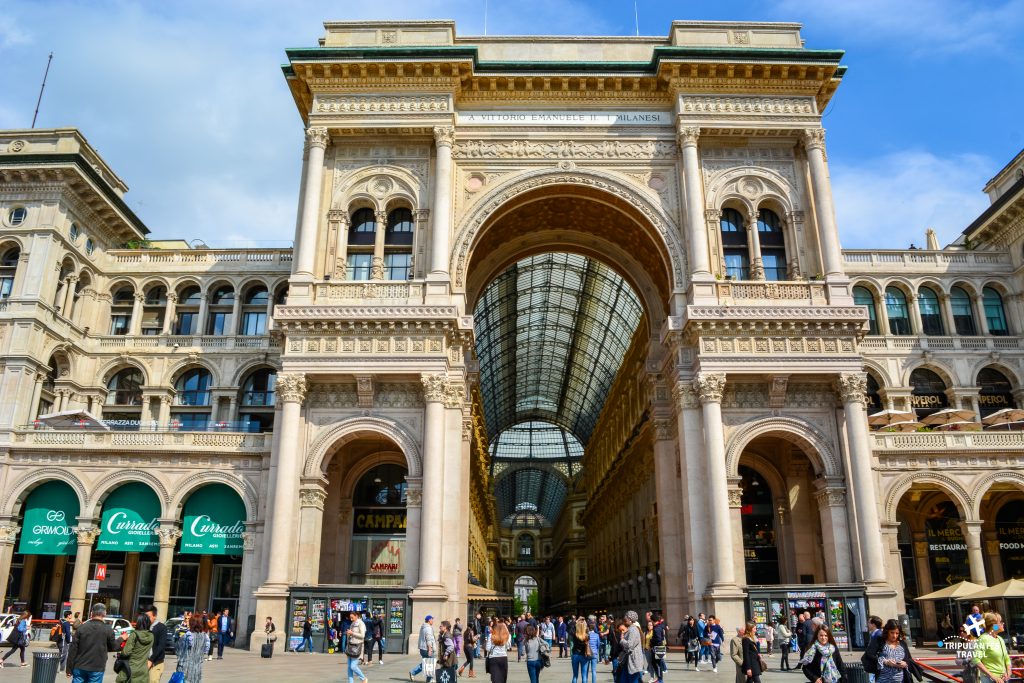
{"points": [[552, 331]]}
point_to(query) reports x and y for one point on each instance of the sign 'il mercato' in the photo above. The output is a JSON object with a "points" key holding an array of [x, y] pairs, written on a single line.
{"points": [[564, 118]]}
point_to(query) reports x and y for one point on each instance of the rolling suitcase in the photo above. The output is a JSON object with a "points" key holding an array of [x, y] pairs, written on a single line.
{"points": [[267, 650]]}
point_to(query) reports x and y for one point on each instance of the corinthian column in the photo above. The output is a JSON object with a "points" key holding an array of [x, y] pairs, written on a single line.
{"points": [[852, 386], [434, 389], [710, 387], [975, 554], [824, 212], [282, 507], [169, 535], [441, 207], [86, 534], [696, 239], [316, 142], [8, 535]]}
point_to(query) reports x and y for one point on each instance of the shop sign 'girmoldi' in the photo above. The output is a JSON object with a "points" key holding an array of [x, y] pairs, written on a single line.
{"points": [[130, 520], [50, 517], [213, 522]]}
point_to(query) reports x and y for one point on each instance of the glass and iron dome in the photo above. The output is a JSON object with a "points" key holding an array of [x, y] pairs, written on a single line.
{"points": [[552, 331]]}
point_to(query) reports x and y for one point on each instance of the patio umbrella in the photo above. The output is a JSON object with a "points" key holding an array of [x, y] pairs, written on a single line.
{"points": [[965, 426], [964, 590], [886, 417], [1006, 416], [73, 419], [948, 415], [908, 426], [1014, 588]]}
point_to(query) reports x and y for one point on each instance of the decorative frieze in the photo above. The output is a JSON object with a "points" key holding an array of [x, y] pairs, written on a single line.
{"points": [[564, 149], [381, 104], [749, 107], [734, 344], [745, 395]]}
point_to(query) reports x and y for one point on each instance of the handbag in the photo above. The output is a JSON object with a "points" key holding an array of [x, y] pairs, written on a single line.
{"points": [[121, 665], [354, 649], [660, 651], [545, 659]]}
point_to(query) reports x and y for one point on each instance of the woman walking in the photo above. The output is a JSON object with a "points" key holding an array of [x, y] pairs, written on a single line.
{"points": [[751, 658], [536, 649], [579, 641], [689, 637], [354, 647], [497, 653], [822, 662], [18, 638], [192, 648], [990, 651], [135, 651], [469, 639], [447, 653], [594, 640], [785, 637]]}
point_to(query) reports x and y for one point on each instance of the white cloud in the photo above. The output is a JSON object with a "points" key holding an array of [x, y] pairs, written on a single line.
{"points": [[12, 34], [889, 202], [921, 27]]}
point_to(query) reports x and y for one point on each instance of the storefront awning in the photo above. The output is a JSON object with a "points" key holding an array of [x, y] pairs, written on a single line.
{"points": [[73, 419], [481, 594], [958, 591], [1012, 589]]}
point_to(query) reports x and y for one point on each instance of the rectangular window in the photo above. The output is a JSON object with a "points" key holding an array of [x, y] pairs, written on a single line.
{"points": [[6, 284], [359, 266], [217, 324], [397, 266], [737, 266], [119, 323], [191, 422], [774, 265], [254, 323], [186, 323]]}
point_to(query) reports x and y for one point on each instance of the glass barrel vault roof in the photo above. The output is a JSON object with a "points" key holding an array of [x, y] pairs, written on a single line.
{"points": [[551, 333]]}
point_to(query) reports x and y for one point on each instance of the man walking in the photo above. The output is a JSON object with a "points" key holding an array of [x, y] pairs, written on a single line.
{"points": [[156, 657], [225, 632], [65, 640], [87, 656], [426, 648], [736, 654], [521, 637]]}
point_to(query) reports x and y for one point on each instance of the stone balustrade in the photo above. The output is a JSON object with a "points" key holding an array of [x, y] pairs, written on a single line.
{"points": [[925, 443], [811, 292], [865, 261], [97, 440], [871, 344], [372, 291], [179, 260], [186, 342]]}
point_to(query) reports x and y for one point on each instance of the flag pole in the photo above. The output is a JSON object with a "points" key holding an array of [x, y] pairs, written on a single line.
{"points": [[41, 88]]}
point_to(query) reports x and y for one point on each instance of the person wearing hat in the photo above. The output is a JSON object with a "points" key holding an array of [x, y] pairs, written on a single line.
{"points": [[426, 647], [631, 656]]}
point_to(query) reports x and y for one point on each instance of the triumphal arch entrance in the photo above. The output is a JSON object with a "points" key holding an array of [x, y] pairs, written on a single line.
{"points": [[568, 324]]}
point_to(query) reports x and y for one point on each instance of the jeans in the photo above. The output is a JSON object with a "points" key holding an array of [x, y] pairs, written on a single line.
{"points": [[421, 667], [521, 648], [305, 646], [635, 678], [353, 669], [82, 676], [593, 669], [224, 635], [533, 667], [579, 662]]}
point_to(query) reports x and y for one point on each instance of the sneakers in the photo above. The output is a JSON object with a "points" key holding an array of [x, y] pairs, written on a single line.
{"points": [[715, 669], [411, 677]]}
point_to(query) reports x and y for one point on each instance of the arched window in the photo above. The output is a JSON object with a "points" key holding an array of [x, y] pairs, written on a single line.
{"points": [[929, 394], [221, 304], [17, 216], [125, 388], [896, 310], [757, 514], [995, 316], [963, 312], [121, 310], [773, 244], [257, 413], [8, 269], [996, 391], [187, 311], [862, 297], [398, 245], [931, 313], [734, 245], [526, 549], [153, 310], [254, 311], [873, 395], [194, 388], [363, 230]]}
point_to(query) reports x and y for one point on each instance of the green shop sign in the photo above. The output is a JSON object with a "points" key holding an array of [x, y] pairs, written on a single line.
{"points": [[48, 524], [214, 522], [130, 520]]}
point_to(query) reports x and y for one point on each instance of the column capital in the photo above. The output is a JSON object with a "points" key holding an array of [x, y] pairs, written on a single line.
{"points": [[710, 386], [87, 535], [317, 136], [377, 268], [830, 496], [444, 136], [972, 527], [852, 387], [814, 138], [8, 533], [168, 536], [434, 386], [685, 395], [172, 297], [665, 429], [735, 497], [248, 541], [687, 136], [337, 216], [312, 497], [291, 387]]}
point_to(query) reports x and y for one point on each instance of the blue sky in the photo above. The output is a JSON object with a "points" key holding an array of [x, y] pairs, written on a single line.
{"points": [[186, 100]]}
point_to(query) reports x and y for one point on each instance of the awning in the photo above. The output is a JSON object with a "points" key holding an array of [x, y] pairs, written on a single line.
{"points": [[1014, 588], [963, 590], [480, 594], [73, 419], [214, 521]]}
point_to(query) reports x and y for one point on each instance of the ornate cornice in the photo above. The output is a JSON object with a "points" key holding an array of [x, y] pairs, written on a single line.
{"points": [[291, 387], [710, 386]]}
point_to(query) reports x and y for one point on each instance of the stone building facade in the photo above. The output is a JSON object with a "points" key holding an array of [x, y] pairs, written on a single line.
{"points": [[340, 425]]}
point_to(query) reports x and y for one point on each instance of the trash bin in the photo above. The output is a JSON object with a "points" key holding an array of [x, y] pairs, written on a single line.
{"points": [[855, 672], [44, 666]]}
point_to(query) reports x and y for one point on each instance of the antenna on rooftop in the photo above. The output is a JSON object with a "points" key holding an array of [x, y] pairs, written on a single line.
{"points": [[41, 88], [636, 18]]}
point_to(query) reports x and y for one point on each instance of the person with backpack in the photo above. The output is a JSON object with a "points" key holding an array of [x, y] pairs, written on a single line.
{"points": [[64, 639], [18, 638]]}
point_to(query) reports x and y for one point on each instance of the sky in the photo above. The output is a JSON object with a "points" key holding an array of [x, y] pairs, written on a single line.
{"points": [[186, 100]]}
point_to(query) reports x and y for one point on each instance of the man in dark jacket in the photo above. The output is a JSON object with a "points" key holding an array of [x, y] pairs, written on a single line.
{"points": [[87, 656], [156, 657], [807, 628], [65, 640]]}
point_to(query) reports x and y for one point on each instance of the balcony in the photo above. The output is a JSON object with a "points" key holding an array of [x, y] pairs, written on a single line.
{"points": [[753, 292], [153, 441], [370, 292], [996, 442], [873, 343], [179, 260], [186, 342], [909, 261]]}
